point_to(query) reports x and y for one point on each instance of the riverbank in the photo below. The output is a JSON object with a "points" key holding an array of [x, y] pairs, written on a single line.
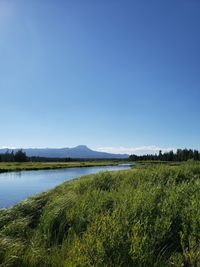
{"points": [[24, 166], [138, 217], [17, 186]]}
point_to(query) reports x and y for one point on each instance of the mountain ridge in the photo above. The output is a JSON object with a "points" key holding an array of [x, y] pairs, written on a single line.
{"points": [[80, 151]]}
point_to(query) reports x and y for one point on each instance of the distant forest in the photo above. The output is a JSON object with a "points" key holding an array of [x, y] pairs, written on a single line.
{"points": [[179, 155], [20, 156]]}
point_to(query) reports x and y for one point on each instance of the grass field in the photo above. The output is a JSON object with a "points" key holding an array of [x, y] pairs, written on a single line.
{"points": [[14, 166], [141, 217]]}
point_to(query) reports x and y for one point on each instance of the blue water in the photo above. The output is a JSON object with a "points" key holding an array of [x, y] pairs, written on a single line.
{"points": [[17, 186]]}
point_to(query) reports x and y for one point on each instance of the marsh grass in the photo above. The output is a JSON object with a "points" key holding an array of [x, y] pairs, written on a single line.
{"points": [[143, 217]]}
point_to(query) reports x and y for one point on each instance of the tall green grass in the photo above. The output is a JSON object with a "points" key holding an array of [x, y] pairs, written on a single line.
{"points": [[143, 217]]}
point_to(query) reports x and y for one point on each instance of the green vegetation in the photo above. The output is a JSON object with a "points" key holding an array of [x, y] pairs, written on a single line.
{"points": [[18, 156], [22, 166], [140, 217], [180, 155]]}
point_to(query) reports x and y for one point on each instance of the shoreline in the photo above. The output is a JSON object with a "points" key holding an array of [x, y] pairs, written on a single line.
{"points": [[36, 166], [128, 167]]}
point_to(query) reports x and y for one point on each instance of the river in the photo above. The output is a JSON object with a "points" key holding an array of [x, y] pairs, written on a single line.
{"points": [[17, 186]]}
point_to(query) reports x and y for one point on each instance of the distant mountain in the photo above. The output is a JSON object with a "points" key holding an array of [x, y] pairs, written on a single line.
{"points": [[81, 151]]}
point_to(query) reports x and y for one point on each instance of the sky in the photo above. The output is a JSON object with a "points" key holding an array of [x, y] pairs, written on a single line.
{"points": [[115, 75]]}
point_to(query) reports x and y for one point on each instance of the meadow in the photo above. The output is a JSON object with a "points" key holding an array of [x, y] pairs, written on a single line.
{"points": [[147, 216], [23, 166]]}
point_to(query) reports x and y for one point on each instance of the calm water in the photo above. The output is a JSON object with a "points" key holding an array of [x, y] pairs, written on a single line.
{"points": [[17, 186]]}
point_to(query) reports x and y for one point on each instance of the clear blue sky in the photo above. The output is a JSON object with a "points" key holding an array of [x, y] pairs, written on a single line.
{"points": [[104, 73]]}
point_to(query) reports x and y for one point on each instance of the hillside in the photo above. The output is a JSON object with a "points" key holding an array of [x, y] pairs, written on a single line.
{"points": [[148, 216], [80, 151]]}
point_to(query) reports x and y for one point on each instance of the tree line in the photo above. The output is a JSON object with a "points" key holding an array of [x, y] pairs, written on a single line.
{"points": [[20, 156], [179, 155]]}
